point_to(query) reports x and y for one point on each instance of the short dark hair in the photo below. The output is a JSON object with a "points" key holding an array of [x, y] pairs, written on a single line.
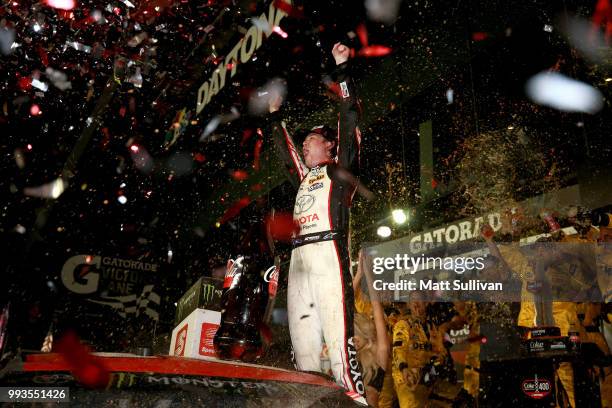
{"points": [[328, 134]]}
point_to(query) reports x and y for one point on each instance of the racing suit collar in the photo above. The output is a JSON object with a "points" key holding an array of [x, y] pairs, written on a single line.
{"points": [[322, 164]]}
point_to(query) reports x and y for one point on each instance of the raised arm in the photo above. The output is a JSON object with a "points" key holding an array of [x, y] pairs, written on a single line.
{"points": [[349, 137], [285, 146]]}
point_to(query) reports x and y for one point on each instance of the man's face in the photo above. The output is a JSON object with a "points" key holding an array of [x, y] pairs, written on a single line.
{"points": [[417, 304], [417, 308], [316, 150]]}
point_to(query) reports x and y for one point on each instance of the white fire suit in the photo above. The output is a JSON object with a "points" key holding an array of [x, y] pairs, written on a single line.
{"points": [[320, 299]]}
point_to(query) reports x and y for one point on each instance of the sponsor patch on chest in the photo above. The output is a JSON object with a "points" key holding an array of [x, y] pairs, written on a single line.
{"points": [[316, 178], [315, 186]]}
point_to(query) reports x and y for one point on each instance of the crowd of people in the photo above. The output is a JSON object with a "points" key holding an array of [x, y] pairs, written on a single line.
{"points": [[405, 347]]}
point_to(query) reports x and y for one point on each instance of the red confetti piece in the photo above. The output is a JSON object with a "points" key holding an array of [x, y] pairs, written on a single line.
{"points": [[292, 11], [246, 135], [487, 232], [25, 83], [65, 14], [280, 32], [362, 33], [434, 183], [479, 36], [603, 13], [106, 138], [240, 175], [44, 58], [83, 365], [34, 110], [374, 51], [199, 157], [235, 209], [257, 153], [282, 226]]}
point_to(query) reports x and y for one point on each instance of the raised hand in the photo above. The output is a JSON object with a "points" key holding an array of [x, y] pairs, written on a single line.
{"points": [[341, 53], [275, 102]]}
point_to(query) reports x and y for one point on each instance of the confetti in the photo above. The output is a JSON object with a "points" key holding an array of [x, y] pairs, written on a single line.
{"points": [[262, 25], [239, 175], [369, 50], [282, 226], [78, 46], [450, 96], [234, 210], [58, 79], [61, 4], [210, 127], [479, 36], [374, 51], [362, 33], [82, 364], [218, 120], [7, 39], [280, 32], [19, 158], [40, 85], [257, 153], [260, 99], [137, 39], [51, 190], [136, 78], [384, 11], [580, 33], [291, 10], [563, 93], [141, 158]]}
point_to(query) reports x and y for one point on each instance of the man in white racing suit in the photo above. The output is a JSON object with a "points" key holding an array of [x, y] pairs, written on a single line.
{"points": [[320, 299]]}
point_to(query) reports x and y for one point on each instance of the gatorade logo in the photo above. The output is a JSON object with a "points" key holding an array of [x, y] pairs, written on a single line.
{"points": [[354, 366]]}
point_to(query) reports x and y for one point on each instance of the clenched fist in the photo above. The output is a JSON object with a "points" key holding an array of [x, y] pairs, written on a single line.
{"points": [[341, 53]]}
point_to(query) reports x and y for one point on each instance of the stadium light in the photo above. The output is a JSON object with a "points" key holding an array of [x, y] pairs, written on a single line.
{"points": [[384, 231], [399, 216]]}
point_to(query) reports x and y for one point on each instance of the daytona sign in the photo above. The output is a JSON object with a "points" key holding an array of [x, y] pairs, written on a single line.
{"points": [[241, 53]]}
